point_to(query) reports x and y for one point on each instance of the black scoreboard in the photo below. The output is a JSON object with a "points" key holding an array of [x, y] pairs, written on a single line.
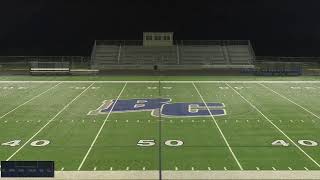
{"points": [[27, 169]]}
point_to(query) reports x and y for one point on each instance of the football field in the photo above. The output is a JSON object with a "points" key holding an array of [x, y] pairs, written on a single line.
{"points": [[162, 125]]}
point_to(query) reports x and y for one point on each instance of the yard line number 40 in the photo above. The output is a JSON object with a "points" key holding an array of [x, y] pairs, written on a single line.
{"points": [[37, 143], [304, 142]]}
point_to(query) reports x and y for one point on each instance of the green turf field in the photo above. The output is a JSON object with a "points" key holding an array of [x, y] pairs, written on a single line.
{"points": [[267, 125]]}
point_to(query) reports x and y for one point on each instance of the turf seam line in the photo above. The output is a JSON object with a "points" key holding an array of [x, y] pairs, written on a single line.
{"points": [[217, 125], [65, 107], [100, 130], [270, 89], [29, 100], [274, 125], [160, 137]]}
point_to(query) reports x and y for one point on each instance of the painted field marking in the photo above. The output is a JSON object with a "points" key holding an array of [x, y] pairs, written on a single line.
{"points": [[95, 168], [209, 168], [307, 110], [52, 119], [111, 168], [144, 168], [176, 168], [217, 125], [192, 168], [306, 168], [62, 168], [290, 168], [258, 169], [274, 168], [183, 82], [225, 168], [128, 168], [28, 101], [100, 130], [275, 126]]}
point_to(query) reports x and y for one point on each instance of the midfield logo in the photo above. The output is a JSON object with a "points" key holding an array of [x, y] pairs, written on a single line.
{"points": [[161, 107]]}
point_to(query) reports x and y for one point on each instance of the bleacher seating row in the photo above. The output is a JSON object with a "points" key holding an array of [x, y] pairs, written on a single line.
{"points": [[106, 55]]}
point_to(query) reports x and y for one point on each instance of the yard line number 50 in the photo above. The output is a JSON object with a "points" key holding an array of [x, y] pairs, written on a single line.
{"points": [[151, 142]]}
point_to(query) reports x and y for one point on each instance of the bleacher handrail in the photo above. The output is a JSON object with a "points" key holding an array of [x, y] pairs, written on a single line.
{"points": [[176, 42]]}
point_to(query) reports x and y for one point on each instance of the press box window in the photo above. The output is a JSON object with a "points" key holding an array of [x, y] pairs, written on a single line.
{"points": [[157, 37], [166, 37]]}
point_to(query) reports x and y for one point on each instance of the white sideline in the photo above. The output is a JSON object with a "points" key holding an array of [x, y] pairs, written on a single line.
{"points": [[181, 175], [29, 100], [254, 107], [160, 81], [290, 101], [224, 138], [104, 122], [65, 107]]}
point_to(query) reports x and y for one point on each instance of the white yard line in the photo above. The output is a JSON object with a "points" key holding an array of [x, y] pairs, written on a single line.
{"points": [[217, 125], [250, 82], [290, 100], [29, 100], [52, 119], [100, 130], [275, 126]]}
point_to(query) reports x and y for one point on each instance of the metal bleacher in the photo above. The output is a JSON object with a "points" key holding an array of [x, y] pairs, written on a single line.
{"points": [[106, 55], [239, 54], [221, 53], [148, 55], [202, 55]]}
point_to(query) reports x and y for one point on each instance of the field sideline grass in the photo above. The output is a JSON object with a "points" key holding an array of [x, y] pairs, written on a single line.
{"points": [[257, 115]]}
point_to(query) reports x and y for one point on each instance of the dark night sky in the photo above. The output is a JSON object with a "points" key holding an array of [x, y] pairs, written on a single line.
{"points": [[65, 27]]}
